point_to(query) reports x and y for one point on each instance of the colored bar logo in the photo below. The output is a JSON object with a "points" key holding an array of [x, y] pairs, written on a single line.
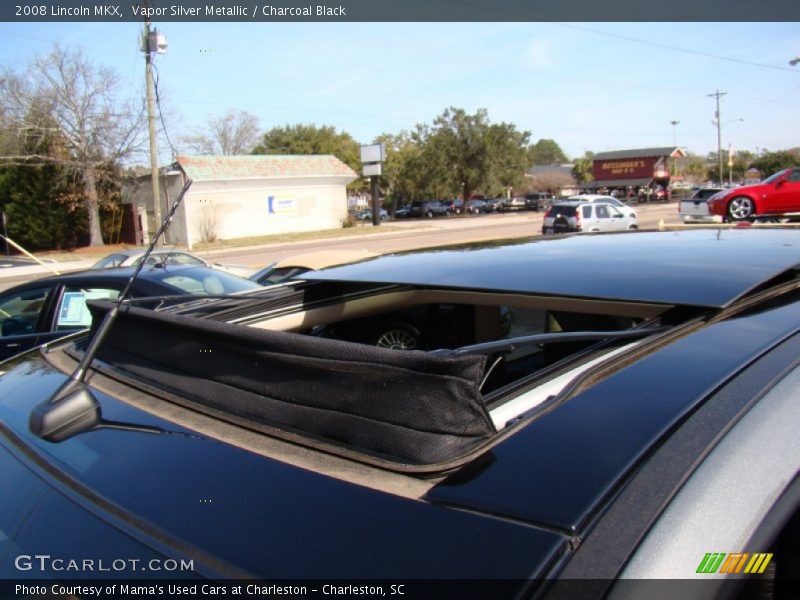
{"points": [[736, 562]]}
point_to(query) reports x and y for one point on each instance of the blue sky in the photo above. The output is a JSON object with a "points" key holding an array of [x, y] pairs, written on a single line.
{"points": [[592, 86]]}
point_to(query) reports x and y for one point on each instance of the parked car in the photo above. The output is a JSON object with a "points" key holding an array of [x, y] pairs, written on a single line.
{"points": [[776, 195], [583, 216], [402, 212], [131, 258], [538, 201], [429, 208], [366, 215], [293, 266], [46, 309], [625, 209], [514, 203], [454, 207], [639, 424], [695, 208], [476, 206], [494, 204]]}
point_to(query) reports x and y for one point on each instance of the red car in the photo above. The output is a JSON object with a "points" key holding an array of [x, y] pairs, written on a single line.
{"points": [[778, 194]]}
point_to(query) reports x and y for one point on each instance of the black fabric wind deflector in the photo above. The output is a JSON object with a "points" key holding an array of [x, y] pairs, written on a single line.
{"points": [[404, 407]]}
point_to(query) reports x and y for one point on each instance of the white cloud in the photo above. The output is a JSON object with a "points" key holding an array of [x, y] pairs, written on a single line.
{"points": [[540, 53]]}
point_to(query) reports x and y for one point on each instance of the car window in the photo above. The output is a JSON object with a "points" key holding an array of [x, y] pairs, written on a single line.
{"points": [[794, 175], [602, 212], [704, 194], [181, 258], [72, 310], [114, 260], [614, 212], [774, 177], [20, 311], [587, 212], [562, 210], [207, 281]]}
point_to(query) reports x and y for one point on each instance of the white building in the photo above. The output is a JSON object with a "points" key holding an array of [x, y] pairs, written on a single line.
{"points": [[245, 196]]}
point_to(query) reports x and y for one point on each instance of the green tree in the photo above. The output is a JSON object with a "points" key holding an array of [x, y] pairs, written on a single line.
{"points": [[546, 152], [310, 139], [39, 198], [582, 168], [402, 179], [463, 153], [772, 162]]}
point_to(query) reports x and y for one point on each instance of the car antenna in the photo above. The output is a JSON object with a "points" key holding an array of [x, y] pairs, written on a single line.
{"points": [[72, 408]]}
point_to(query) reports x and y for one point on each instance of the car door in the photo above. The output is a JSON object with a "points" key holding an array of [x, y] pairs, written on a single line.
{"points": [[602, 218], [618, 220], [786, 197], [23, 316]]}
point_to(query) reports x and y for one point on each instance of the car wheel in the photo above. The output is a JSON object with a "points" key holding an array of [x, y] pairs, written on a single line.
{"points": [[633, 227], [741, 208], [398, 336], [429, 214], [458, 211]]}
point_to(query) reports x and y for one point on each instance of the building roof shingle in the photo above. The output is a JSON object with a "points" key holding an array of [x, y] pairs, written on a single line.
{"points": [[638, 153], [215, 168]]}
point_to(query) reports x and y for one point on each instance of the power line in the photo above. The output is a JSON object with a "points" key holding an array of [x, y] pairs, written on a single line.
{"points": [[674, 48], [161, 114]]}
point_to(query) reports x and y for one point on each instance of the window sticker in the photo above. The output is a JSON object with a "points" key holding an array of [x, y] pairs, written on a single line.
{"points": [[74, 312]]}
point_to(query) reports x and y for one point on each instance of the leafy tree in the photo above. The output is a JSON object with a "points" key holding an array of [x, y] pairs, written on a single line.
{"points": [[546, 152], [401, 180], [466, 153], [66, 93], [582, 169], [772, 162], [235, 132], [38, 199], [310, 139]]}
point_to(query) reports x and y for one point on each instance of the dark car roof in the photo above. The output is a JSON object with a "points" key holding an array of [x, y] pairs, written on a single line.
{"points": [[149, 281], [677, 267]]}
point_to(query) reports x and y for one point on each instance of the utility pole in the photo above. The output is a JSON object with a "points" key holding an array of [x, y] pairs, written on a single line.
{"points": [[151, 119], [718, 122]]}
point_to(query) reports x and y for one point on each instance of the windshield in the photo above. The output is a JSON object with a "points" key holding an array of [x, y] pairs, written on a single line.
{"points": [[561, 209], [775, 177], [203, 281]]}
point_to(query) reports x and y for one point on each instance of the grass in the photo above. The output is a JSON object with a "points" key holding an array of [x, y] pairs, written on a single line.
{"points": [[97, 252], [302, 236]]}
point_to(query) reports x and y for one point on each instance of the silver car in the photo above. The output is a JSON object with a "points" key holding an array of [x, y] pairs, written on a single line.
{"points": [[169, 256], [627, 210], [695, 209], [590, 217]]}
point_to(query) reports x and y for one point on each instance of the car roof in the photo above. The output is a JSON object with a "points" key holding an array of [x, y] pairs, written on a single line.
{"points": [[592, 197], [150, 273], [676, 267]]}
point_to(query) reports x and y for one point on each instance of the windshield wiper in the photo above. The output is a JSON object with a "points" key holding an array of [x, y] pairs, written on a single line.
{"points": [[511, 344], [73, 409]]}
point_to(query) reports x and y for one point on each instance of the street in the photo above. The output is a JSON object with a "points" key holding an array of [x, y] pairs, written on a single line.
{"points": [[442, 232], [396, 237]]}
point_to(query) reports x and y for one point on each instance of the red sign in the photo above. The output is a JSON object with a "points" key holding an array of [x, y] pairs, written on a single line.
{"points": [[629, 168]]}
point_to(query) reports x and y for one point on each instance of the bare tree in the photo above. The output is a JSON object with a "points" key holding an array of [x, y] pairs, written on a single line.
{"points": [[66, 94], [235, 132]]}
